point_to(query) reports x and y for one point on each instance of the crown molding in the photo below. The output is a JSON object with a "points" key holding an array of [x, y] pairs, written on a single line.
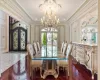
{"points": [[84, 9], [15, 10]]}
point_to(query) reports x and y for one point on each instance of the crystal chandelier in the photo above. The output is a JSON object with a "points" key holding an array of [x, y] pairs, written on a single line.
{"points": [[49, 7]]}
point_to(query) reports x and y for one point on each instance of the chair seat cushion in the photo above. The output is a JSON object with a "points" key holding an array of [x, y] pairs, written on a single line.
{"points": [[36, 62], [62, 63]]}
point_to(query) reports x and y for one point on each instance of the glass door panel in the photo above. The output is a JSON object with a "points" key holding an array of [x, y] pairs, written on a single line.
{"points": [[15, 40], [49, 44], [54, 40], [22, 40], [44, 44]]}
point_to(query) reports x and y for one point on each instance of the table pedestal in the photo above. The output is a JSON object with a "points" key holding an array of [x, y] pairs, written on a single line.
{"points": [[50, 68]]}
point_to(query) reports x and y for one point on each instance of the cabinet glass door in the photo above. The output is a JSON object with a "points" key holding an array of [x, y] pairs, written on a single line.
{"points": [[19, 39]]}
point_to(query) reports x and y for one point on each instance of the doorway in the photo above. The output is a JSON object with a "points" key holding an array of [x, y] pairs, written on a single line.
{"points": [[49, 42]]}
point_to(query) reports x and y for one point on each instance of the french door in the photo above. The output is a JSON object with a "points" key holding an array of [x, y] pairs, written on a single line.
{"points": [[49, 43]]}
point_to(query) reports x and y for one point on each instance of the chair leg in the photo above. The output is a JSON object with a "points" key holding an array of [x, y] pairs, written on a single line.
{"points": [[63, 68], [32, 73], [41, 72], [68, 70], [58, 70]]}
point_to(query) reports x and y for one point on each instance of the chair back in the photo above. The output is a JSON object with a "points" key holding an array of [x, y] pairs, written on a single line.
{"points": [[38, 46], [35, 47], [69, 50], [62, 45], [30, 50], [64, 48]]}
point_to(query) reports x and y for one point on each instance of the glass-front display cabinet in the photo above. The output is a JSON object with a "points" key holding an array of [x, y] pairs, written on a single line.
{"points": [[89, 29], [89, 34]]}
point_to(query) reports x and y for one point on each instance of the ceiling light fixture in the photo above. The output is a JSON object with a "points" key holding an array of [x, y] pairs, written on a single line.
{"points": [[50, 7]]}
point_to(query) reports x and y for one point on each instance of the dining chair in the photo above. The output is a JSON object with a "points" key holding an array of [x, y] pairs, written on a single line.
{"points": [[63, 53], [62, 45], [64, 48], [38, 46], [35, 47], [33, 63], [64, 63]]}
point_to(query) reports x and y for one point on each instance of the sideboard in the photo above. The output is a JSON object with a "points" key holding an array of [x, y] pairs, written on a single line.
{"points": [[83, 62]]}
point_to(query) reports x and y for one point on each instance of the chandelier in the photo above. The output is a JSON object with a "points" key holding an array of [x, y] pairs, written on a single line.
{"points": [[50, 7]]}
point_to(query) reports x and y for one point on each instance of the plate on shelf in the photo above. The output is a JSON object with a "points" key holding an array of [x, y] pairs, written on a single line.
{"points": [[84, 24], [93, 20]]}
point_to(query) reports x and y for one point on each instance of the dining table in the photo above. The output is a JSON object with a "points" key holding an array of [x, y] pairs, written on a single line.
{"points": [[49, 61]]}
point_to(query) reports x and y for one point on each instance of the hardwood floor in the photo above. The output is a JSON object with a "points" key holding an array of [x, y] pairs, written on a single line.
{"points": [[16, 72], [20, 71], [79, 71]]}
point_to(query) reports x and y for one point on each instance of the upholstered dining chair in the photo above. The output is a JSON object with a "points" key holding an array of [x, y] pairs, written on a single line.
{"points": [[64, 63], [63, 53], [33, 63], [38, 46], [62, 45], [65, 48], [35, 47]]}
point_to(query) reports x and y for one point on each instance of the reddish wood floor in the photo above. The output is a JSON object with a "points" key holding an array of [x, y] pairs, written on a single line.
{"points": [[16, 72], [19, 72], [79, 71]]}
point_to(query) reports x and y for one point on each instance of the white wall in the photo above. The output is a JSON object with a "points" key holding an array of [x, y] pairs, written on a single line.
{"points": [[75, 31], [4, 37], [61, 35], [35, 35], [67, 32], [99, 41], [28, 33], [4, 34]]}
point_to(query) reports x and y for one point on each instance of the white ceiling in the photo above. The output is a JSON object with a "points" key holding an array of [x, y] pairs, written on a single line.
{"points": [[69, 7]]}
